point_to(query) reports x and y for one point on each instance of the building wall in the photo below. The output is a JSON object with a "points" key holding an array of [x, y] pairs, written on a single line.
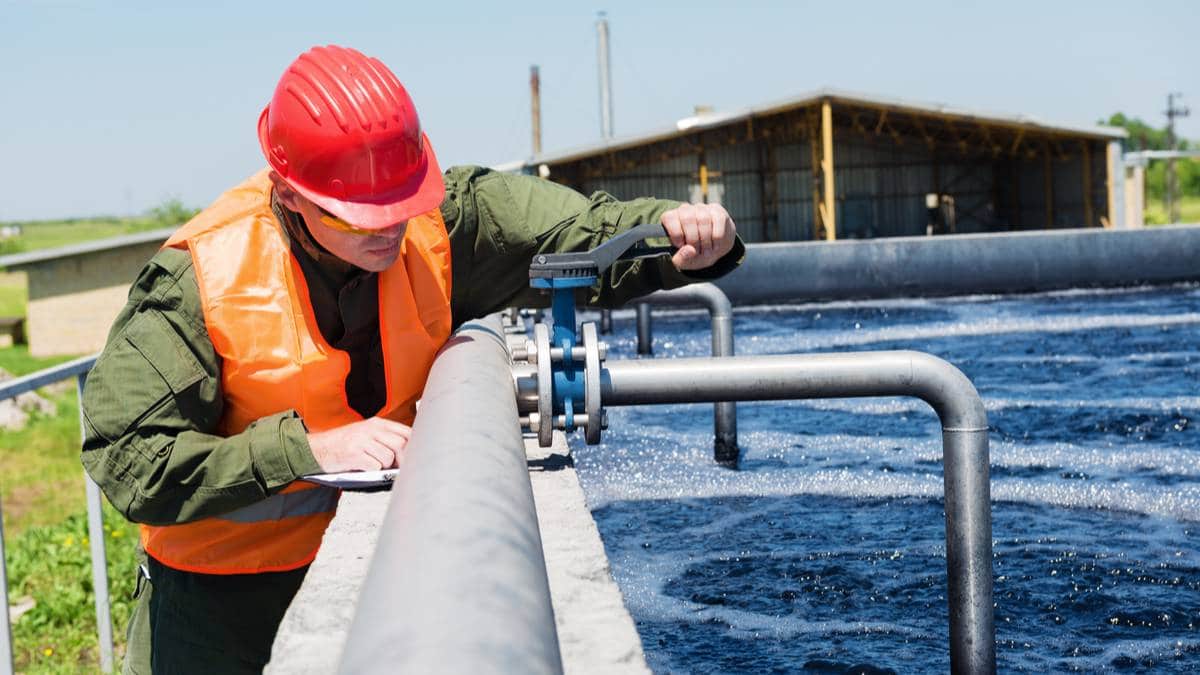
{"points": [[881, 179], [74, 300]]}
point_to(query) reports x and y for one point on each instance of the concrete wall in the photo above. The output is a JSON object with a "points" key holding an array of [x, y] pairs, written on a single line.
{"points": [[74, 299]]}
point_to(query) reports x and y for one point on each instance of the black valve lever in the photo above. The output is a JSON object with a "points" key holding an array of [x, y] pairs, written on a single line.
{"points": [[629, 245]]}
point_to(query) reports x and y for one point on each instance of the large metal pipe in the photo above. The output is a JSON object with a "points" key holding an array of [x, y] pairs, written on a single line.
{"points": [[854, 374], [1006, 262], [725, 443], [458, 582]]}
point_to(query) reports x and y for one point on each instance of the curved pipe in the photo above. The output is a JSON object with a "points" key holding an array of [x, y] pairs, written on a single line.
{"points": [[458, 581], [854, 374], [720, 310]]}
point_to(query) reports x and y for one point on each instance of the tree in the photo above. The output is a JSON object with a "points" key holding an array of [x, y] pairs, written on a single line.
{"points": [[1142, 136], [172, 212]]}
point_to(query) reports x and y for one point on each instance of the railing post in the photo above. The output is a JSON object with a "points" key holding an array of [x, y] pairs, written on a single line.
{"points": [[99, 554], [645, 332], [720, 310], [6, 650]]}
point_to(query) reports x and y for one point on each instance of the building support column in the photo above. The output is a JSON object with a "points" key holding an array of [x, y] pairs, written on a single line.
{"points": [[814, 147], [1048, 174], [1088, 208], [768, 190], [1111, 166], [828, 206]]}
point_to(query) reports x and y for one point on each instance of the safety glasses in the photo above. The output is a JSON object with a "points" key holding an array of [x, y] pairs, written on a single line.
{"points": [[333, 222]]}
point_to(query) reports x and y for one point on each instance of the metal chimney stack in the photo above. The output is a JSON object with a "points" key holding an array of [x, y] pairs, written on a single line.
{"points": [[535, 99], [606, 123]]}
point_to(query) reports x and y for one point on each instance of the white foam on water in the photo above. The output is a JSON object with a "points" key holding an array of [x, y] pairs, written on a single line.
{"points": [[812, 340], [1116, 476], [909, 406], [1164, 652], [954, 302], [1089, 358]]}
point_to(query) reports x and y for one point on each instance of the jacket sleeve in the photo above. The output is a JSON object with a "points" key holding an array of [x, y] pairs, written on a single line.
{"points": [[151, 405], [499, 221]]}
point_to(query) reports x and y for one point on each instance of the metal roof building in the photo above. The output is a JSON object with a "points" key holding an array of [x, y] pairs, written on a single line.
{"points": [[832, 164]]}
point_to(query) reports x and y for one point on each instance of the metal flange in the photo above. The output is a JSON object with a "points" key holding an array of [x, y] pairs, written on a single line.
{"points": [[545, 385], [591, 383]]}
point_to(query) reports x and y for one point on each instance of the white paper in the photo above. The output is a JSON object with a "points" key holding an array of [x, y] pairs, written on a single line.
{"points": [[355, 480]]}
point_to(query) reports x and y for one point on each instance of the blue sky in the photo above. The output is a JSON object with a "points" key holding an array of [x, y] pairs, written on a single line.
{"points": [[112, 107]]}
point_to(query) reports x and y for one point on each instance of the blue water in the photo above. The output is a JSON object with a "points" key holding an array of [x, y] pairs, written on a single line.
{"points": [[826, 552]]}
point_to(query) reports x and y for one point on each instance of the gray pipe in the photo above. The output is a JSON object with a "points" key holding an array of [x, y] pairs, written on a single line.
{"points": [[605, 321], [458, 582], [645, 330], [1005, 262], [900, 373], [725, 442]]}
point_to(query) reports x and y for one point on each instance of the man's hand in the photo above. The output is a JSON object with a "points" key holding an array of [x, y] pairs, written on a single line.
{"points": [[369, 445], [702, 233]]}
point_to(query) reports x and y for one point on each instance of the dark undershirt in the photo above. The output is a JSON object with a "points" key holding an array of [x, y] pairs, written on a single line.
{"points": [[345, 300]]}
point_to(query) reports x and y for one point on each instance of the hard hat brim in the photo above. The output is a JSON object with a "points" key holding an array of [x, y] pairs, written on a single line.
{"points": [[422, 193]]}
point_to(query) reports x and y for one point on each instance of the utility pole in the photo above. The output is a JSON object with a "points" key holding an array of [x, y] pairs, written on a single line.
{"points": [[1172, 187], [535, 99]]}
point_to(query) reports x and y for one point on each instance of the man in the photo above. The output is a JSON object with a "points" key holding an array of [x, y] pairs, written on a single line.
{"points": [[288, 329]]}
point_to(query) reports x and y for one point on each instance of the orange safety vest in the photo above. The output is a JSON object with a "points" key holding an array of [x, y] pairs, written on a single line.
{"points": [[273, 358]]}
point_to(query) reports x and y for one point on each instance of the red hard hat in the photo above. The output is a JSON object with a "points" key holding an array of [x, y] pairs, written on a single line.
{"points": [[342, 131]]}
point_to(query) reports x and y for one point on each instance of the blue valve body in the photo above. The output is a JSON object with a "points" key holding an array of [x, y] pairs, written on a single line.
{"points": [[568, 387]]}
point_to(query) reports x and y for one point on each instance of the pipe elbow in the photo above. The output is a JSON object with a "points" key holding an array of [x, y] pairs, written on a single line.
{"points": [[951, 393]]}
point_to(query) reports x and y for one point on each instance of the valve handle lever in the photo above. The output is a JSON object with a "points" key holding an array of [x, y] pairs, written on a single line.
{"points": [[629, 245]]}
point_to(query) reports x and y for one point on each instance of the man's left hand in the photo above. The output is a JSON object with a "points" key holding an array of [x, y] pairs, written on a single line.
{"points": [[702, 233]]}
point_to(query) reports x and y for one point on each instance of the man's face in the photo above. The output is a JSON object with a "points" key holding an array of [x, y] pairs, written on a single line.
{"points": [[371, 250]]}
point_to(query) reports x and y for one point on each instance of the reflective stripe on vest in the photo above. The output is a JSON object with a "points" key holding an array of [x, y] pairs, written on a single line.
{"points": [[285, 505], [274, 358]]}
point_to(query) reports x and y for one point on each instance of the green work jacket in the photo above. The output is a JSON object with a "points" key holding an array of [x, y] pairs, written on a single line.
{"points": [[153, 399]]}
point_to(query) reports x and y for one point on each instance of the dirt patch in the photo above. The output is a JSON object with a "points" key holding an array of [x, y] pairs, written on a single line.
{"points": [[36, 500]]}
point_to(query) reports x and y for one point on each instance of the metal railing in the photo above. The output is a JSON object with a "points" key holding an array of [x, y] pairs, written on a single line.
{"points": [[10, 389]]}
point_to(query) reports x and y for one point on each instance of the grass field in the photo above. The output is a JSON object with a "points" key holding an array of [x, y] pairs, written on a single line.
{"points": [[40, 234], [45, 529], [13, 293]]}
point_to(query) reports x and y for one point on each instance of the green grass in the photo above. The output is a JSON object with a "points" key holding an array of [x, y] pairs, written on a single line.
{"points": [[45, 528], [54, 233], [52, 565], [13, 294], [40, 234], [1189, 211]]}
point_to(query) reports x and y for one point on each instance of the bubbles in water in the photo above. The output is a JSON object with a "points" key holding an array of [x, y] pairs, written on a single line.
{"points": [[827, 549]]}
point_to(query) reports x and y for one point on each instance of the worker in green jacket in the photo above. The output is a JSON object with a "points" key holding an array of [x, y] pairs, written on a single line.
{"points": [[288, 328]]}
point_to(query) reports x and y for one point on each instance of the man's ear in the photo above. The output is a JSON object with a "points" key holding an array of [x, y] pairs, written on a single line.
{"points": [[287, 196]]}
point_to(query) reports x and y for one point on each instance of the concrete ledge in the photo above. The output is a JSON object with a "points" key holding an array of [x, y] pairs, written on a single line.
{"points": [[596, 633]]}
